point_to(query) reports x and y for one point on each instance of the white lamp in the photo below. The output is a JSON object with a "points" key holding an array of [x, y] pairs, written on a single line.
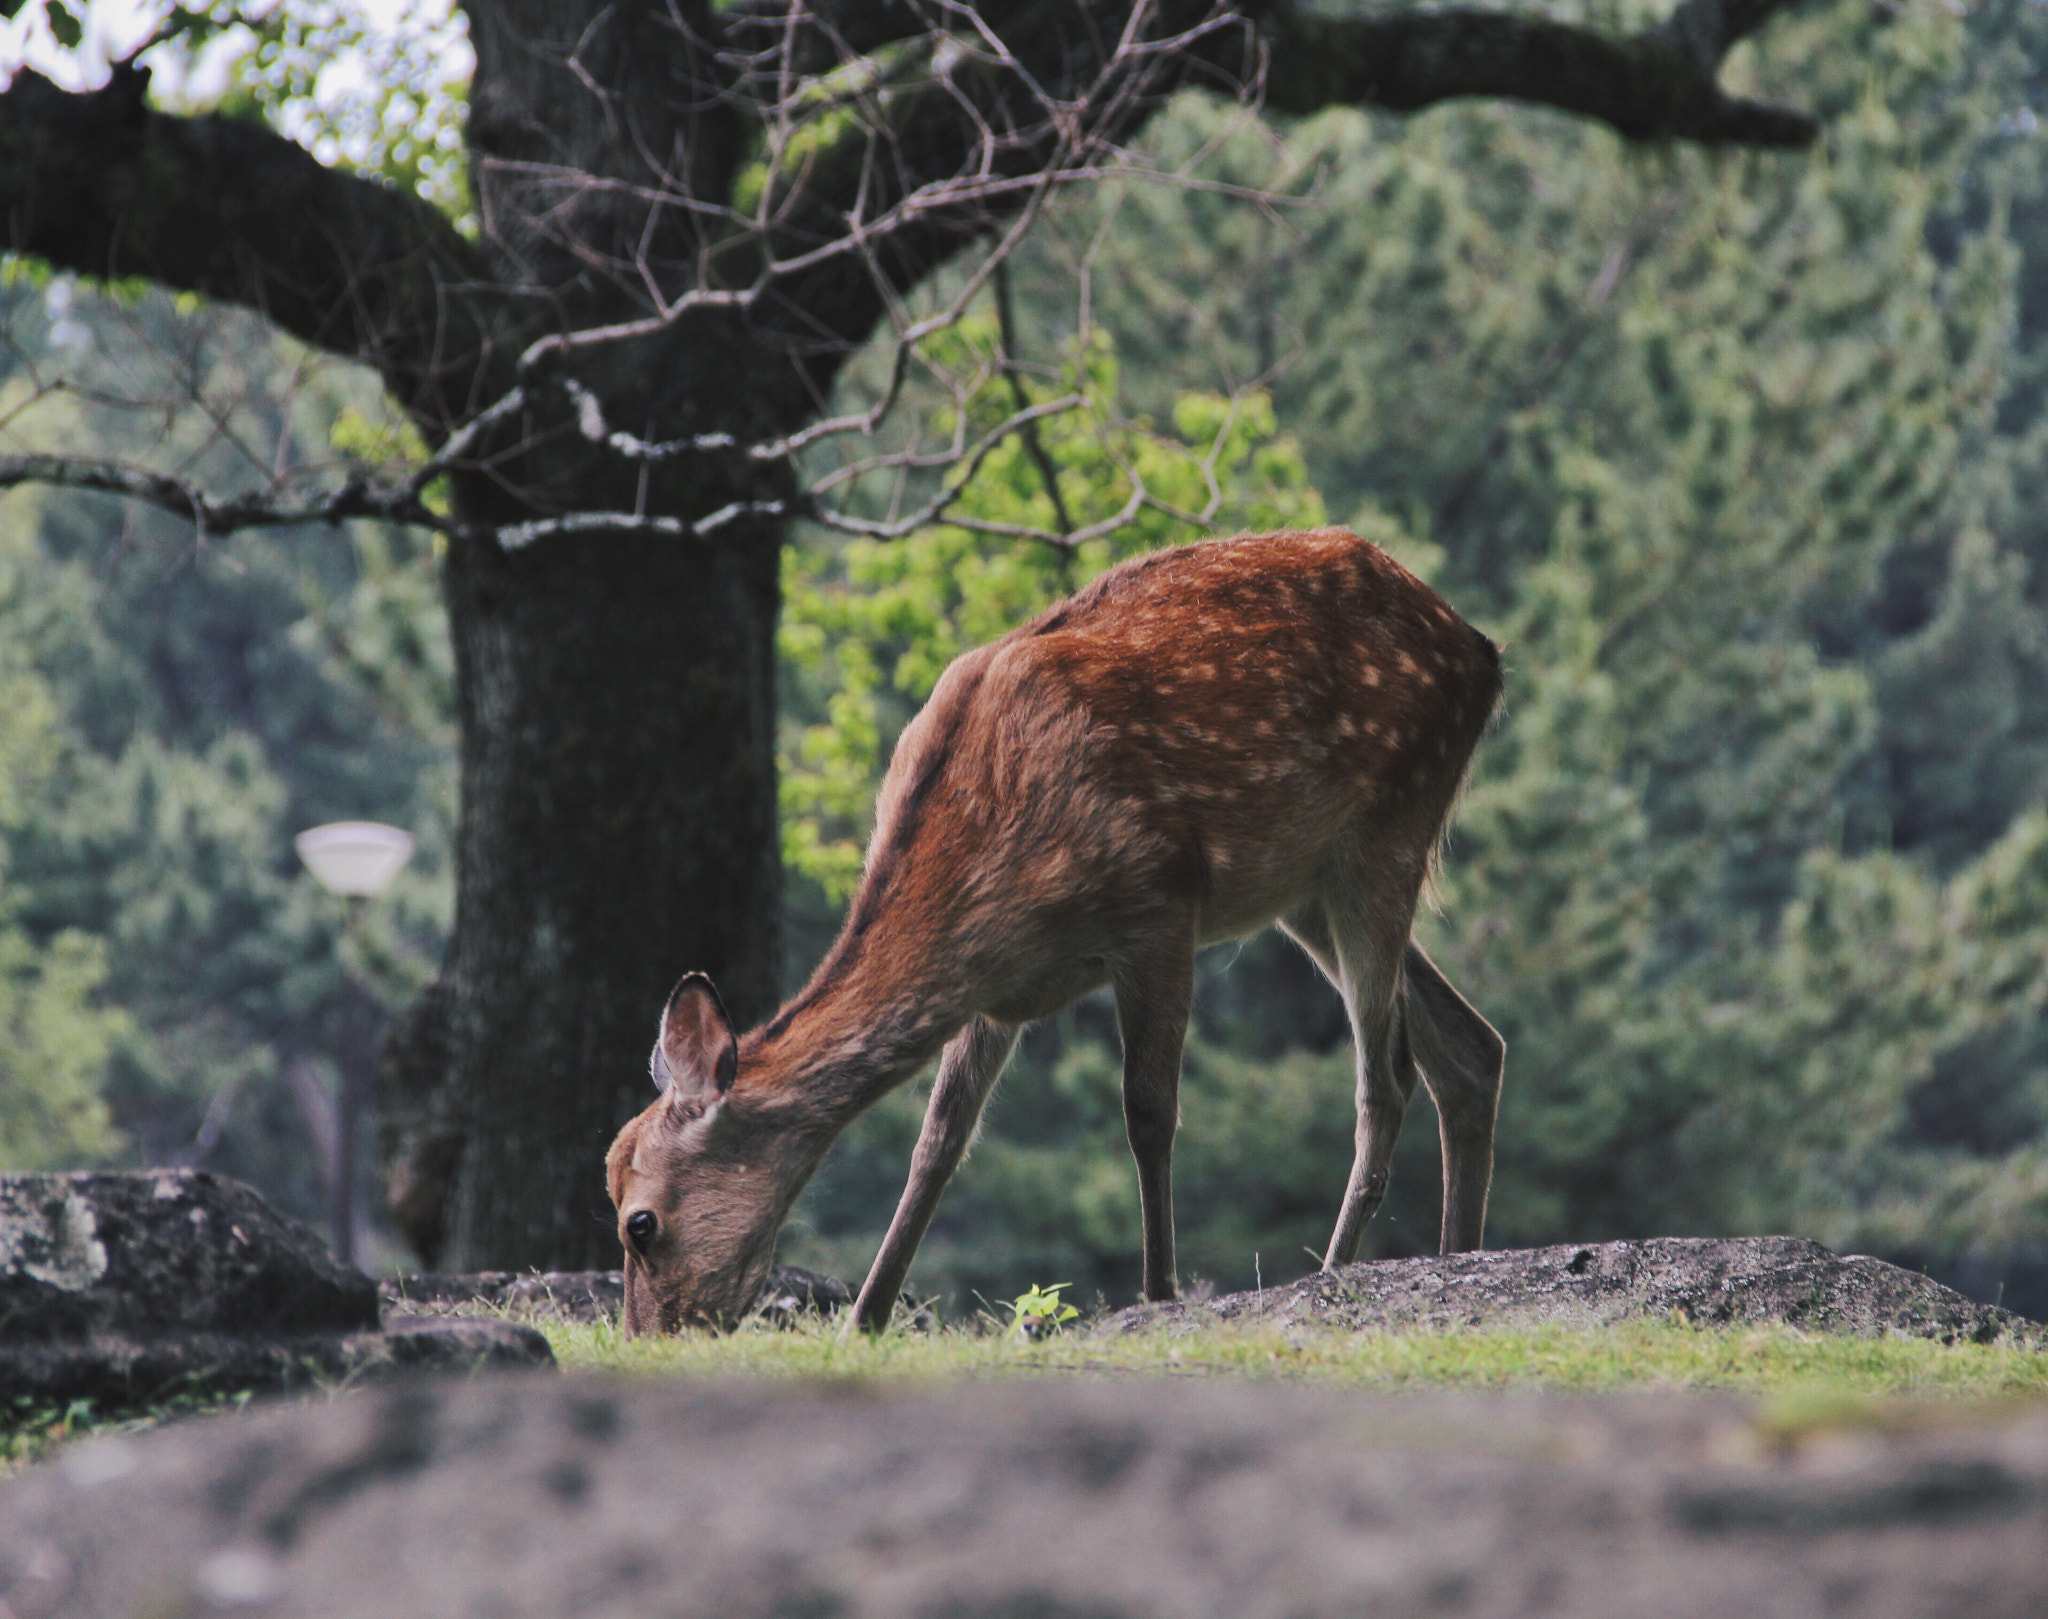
{"points": [[355, 858]]}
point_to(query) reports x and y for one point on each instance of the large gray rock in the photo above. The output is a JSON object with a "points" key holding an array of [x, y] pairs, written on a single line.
{"points": [[120, 1287], [171, 1251], [1718, 1281], [515, 1497]]}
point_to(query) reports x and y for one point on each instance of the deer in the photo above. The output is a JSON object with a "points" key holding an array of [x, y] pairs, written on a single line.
{"points": [[1206, 740]]}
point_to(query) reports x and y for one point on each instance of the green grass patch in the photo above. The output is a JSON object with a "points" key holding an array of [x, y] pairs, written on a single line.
{"points": [[33, 1429], [1675, 1354]]}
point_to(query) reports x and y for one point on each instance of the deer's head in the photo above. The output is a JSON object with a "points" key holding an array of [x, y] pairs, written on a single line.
{"points": [[700, 1180]]}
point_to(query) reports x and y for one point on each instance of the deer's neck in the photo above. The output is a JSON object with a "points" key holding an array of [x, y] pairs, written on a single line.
{"points": [[854, 1034]]}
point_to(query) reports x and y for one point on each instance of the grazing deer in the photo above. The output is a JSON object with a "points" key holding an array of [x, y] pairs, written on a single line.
{"points": [[1205, 740]]}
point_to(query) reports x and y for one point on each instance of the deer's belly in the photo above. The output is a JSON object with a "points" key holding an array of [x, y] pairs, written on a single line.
{"points": [[1043, 994]]}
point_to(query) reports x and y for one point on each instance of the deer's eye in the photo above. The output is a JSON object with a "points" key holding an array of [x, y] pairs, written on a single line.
{"points": [[641, 1228]]}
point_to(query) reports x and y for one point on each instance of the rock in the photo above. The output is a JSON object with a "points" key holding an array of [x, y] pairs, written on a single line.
{"points": [[555, 1295], [172, 1251], [593, 1295], [793, 1293], [120, 1370], [1719, 1281], [121, 1287], [1152, 1499], [428, 1344]]}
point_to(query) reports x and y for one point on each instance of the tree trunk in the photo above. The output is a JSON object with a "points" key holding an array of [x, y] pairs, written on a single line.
{"points": [[618, 828]]}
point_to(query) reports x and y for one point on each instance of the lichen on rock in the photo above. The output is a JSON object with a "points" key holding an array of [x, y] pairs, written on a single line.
{"points": [[47, 1233]]}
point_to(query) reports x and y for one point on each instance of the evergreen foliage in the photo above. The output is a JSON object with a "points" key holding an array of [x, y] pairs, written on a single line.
{"points": [[54, 1035], [195, 705]]}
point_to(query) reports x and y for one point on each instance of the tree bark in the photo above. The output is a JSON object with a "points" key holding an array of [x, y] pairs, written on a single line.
{"points": [[617, 703]]}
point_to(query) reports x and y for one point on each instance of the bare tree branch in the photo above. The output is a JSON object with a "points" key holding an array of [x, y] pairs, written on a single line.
{"points": [[1660, 84], [886, 138], [215, 519], [1034, 445], [100, 184], [1023, 95]]}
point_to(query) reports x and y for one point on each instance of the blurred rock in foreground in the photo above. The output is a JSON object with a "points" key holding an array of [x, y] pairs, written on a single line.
{"points": [[520, 1496]]}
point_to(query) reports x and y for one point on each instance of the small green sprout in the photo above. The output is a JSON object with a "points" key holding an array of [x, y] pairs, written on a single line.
{"points": [[1041, 1312]]}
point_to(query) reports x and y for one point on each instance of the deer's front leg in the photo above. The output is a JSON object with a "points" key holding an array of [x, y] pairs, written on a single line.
{"points": [[1154, 990], [968, 1070]]}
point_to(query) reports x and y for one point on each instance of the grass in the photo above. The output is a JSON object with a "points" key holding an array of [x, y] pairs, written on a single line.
{"points": [[1660, 1355], [31, 1430]]}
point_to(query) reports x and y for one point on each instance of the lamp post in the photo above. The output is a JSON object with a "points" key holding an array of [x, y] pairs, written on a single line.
{"points": [[357, 860]]}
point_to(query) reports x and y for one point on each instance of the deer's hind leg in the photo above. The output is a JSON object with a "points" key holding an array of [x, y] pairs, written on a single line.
{"points": [[968, 1069], [1461, 1056], [1359, 937], [1458, 1056]]}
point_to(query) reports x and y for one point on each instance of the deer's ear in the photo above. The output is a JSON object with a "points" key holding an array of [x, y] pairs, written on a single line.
{"points": [[697, 1056]]}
